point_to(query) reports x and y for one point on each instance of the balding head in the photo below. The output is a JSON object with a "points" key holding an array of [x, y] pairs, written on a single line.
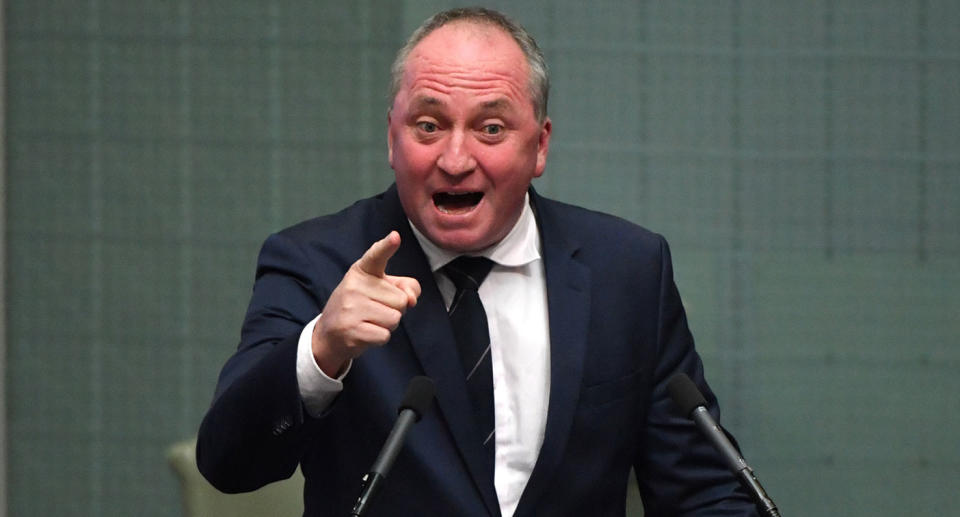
{"points": [[538, 74]]}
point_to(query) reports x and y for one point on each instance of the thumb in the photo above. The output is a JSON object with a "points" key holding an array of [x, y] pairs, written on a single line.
{"points": [[374, 260]]}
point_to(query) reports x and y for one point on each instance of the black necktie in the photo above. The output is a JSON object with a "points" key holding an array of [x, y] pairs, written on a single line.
{"points": [[469, 322]]}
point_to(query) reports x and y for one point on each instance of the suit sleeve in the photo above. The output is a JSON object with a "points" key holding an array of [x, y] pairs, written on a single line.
{"points": [[253, 432], [677, 468]]}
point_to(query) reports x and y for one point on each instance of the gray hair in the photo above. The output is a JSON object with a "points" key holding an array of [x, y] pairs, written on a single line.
{"points": [[539, 81]]}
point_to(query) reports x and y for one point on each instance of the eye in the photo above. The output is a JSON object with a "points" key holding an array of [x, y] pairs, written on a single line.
{"points": [[492, 129], [427, 127]]}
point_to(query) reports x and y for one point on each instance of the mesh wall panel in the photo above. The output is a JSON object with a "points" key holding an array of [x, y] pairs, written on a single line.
{"points": [[801, 158]]}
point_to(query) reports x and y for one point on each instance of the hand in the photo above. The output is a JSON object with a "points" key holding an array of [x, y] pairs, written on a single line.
{"points": [[363, 309]]}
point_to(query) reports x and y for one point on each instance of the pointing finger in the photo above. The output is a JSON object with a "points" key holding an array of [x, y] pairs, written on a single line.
{"points": [[374, 260]]}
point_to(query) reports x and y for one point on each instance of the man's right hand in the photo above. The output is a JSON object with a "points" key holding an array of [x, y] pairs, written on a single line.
{"points": [[364, 308]]}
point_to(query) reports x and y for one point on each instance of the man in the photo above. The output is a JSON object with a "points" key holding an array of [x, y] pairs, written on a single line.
{"points": [[585, 323]]}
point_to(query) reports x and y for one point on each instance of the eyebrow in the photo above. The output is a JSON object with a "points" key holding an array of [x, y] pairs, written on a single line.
{"points": [[424, 101], [495, 104]]}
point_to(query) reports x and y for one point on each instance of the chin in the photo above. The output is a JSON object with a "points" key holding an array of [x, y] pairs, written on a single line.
{"points": [[459, 243]]}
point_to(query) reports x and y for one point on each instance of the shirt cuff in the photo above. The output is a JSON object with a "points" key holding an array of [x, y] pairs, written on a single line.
{"points": [[317, 389]]}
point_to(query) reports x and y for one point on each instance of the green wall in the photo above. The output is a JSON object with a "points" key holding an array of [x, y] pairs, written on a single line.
{"points": [[801, 157]]}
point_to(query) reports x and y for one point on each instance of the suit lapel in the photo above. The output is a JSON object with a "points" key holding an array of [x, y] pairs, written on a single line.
{"points": [[428, 329], [568, 306]]}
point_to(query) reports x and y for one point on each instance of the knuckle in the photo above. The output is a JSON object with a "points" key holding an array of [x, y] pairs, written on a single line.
{"points": [[398, 300], [393, 319]]}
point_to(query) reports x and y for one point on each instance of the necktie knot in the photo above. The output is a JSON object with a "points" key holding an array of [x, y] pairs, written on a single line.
{"points": [[468, 272]]}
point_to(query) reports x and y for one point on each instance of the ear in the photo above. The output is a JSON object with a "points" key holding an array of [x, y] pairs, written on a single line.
{"points": [[543, 146], [389, 141]]}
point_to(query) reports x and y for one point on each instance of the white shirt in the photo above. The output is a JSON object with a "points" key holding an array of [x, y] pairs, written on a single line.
{"points": [[514, 296]]}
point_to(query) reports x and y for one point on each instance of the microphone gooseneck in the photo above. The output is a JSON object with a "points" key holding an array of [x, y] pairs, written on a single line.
{"points": [[416, 401], [694, 406]]}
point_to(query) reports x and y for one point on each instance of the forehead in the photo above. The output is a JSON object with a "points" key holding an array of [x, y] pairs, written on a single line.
{"points": [[467, 56]]}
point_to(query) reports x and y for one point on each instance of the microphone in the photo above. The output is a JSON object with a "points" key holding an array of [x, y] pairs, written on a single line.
{"points": [[416, 401], [686, 395]]}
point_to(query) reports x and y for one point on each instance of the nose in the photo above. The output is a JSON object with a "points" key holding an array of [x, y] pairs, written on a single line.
{"points": [[456, 158]]}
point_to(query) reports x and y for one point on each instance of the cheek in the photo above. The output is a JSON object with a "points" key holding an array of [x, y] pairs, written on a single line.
{"points": [[412, 171], [509, 170], [413, 159]]}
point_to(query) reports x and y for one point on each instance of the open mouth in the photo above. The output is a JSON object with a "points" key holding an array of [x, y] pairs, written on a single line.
{"points": [[456, 202]]}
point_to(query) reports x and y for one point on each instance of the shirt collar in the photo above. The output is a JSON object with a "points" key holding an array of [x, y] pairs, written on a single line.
{"points": [[520, 247]]}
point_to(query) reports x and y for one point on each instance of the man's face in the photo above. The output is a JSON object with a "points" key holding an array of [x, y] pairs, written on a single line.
{"points": [[463, 139]]}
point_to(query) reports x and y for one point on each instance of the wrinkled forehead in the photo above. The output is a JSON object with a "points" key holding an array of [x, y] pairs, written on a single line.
{"points": [[464, 47], [468, 57]]}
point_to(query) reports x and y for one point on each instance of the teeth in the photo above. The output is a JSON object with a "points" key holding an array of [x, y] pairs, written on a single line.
{"points": [[456, 202]]}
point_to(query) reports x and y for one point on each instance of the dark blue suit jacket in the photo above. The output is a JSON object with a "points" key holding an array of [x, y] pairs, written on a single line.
{"points": [[617, 330]]}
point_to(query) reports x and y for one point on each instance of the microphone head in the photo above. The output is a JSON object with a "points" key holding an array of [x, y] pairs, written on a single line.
{"points": [[420, 392], [685, 393]]}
